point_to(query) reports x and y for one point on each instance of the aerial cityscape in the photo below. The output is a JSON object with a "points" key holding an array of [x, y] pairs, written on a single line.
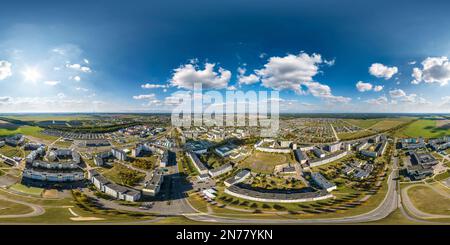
{"points": [[232, 112]]}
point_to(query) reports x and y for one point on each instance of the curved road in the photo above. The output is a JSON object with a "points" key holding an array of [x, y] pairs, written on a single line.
{"points": [[409, 206], [37, 210]]}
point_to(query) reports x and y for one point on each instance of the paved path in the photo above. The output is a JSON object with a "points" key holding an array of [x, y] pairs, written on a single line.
{"points": [[334, 132]]}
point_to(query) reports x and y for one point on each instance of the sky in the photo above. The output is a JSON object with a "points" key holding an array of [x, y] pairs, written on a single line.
{"points": [[137, 56]]}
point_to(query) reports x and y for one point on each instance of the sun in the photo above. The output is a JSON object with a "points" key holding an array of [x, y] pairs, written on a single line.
{"points": [[31, 74]]}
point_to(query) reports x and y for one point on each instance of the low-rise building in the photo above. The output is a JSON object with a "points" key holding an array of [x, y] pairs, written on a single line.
{"points": [[322, 182], [333, 147], [419, 172], [318, 152], [223, 169], [112, 189], [238, 178], [201, 168], [164, 159], [412, 143], [422, 159], [119, 154], [53, 175], [300, 156], [225, 150], [15, 140], [153, 186], [362, 145], [330, 158]]}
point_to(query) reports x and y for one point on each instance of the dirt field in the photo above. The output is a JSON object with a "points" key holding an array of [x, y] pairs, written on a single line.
{"points": [[265, 162]]}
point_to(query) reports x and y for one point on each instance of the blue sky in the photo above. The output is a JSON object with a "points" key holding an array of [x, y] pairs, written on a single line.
{"points": [[62, 56]]}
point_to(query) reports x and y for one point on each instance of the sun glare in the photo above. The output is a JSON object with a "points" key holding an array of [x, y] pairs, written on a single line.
{"points": [[31, 74]]}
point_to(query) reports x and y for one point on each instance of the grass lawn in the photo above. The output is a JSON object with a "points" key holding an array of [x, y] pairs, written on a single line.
{"points": [[442, 176], [7, 208], [123, 176], [429, 201], [27, 130], [10, 151], [27, 189], [424, 128], [264, 162]]}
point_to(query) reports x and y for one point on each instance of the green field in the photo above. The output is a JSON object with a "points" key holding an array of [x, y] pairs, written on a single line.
{"points": [[263, 162], [10, 151], [363, 123], [26, 130], [27, 189], [424, 128], [47, 117], [372, 126], [8, 208], [387, 124], [123, 176], [429, 201]]}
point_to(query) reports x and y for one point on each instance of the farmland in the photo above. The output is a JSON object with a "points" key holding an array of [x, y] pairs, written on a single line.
{"points": [[424, 128]]}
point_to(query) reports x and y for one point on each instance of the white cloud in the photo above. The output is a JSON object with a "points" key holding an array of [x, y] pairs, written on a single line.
{"points": [[243, 79], [5, 99], [400, 96], [81, 89], [378, 88], [290, 71], [412, 62], [363, 87], [86, 61], [52, 83], [232, 87], [5, 69], [61, 96], [152, 86], [380, 70], [434, 70], [296, 72], [186, 75], [79, 67], [397, 93], [76, 78], [330, 62], [324, 92], [446, 99], [144, 96], [382, 100], [58, 103]]}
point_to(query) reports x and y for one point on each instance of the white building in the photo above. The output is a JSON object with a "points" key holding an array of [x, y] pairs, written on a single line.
{"points": [[112, 189], [322, 182], [153, 186], [220, 170], [119, 154], [238, 178], [197, 163]]}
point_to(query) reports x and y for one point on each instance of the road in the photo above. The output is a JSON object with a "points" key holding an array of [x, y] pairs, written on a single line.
{"points": [[334, 132]]}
